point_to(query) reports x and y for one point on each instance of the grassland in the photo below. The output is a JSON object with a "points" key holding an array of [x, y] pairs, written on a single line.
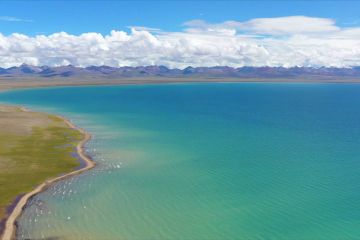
{"points": [[34, 147]]}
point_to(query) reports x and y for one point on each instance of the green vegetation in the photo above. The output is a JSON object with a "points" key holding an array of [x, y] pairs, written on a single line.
{"points": [[34, 147]]}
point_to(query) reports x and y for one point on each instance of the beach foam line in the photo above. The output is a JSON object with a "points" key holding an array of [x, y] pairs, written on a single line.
{"points": [[10, 224]]}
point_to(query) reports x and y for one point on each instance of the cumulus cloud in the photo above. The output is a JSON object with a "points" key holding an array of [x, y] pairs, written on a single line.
{"points": [[287, 41]]}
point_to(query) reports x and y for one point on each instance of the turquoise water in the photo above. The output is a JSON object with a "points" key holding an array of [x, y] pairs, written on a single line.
{"points": [[205, 161]]}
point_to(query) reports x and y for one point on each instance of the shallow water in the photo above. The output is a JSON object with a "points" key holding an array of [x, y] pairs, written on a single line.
{"points": [[205, 161]]}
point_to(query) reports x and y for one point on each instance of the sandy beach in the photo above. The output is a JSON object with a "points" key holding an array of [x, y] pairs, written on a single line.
{"points": [[10, 224]]}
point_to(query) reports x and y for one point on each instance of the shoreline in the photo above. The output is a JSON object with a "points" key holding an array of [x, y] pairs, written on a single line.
{"points": [[10, 222], [25, 83]]}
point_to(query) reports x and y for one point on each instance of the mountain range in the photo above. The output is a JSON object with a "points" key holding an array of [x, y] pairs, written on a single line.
{"points": [[190, 72]]}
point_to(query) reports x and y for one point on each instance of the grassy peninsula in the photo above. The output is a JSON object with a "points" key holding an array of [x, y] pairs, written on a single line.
{"points": [[34, 147]]}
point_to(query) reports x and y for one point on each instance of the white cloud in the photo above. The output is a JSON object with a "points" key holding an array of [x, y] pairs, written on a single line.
{"points": [[269, 26], [290, 25], [287, 41], [142, 28], [13, 19]]}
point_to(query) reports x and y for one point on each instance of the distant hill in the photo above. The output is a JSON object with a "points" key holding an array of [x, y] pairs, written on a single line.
{"points": [[189, 72]]}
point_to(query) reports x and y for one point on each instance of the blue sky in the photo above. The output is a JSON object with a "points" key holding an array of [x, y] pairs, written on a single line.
{"points": [[75, 17], [187, 33]]}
